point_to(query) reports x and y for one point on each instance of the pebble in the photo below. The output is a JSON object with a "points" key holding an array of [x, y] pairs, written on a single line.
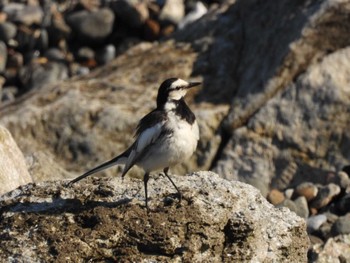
{"points": [[24, 14], [341, 178], [105, 55], [199, 10], [307, 189], [314, 222], [8, 31], [288, 193], [3, 56], [92, 26], [275, 197], [173, 11], [325, 196], [302, 207], [341, 226]]}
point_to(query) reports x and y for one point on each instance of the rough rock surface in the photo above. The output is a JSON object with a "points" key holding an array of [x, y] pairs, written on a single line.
{"points": [[106, 220], [13, 169]]}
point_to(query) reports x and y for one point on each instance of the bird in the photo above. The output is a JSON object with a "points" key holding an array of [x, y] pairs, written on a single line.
{"points": [[166, 136]]}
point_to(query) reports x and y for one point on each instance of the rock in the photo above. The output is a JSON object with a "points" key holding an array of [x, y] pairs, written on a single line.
{"points": [[13, 170], [314, 222], [288, 193], [36, 75], [8, 31], [341, 178], [173, 11], [302, 208], [43, 167], [341, 226], [85, 54], [54, 54], [8, 94], [307, 189], [325, 195], [275, 197], [198, 11], [336, 249], [91, 26], [299, 206], [105, 55], [217, 219], [133, 13], [3, 56], [24, 14], [287, 98]]}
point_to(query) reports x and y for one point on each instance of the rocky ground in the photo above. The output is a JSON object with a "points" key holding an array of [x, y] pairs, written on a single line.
{"points": [[273, 109]]}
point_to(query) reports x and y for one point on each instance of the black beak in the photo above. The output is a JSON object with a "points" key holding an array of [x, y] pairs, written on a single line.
{"points": [[193, 84]]}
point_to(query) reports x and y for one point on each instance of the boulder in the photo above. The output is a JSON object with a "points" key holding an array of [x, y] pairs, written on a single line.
{"points": [[106, 220], [13, 169]]}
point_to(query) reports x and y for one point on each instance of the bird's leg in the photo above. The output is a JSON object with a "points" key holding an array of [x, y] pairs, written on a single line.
{"points": [[166, 170], [145, 180]]}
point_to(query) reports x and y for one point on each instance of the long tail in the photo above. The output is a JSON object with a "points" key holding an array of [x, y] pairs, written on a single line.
{"points": [[117, 160]]}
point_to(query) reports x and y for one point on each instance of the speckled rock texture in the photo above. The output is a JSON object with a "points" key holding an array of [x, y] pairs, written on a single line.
{"points": [[105, 220]]}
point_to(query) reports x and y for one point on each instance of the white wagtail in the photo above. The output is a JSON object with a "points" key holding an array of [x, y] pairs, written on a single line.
{"points": [[165, 137]]}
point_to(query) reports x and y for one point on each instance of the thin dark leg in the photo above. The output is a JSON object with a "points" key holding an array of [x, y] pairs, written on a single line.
{"points": [[145, 180], [166, 170]]}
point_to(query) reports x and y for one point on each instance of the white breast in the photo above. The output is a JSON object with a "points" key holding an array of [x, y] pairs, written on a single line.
{"points": [[176, 148]]}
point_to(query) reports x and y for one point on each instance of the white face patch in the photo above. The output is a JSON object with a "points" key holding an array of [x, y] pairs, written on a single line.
{"points": [[175, 93], [178, 83]]}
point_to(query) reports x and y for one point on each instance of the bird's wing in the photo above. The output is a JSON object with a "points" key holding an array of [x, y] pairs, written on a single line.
{"points": [[148, 131]]}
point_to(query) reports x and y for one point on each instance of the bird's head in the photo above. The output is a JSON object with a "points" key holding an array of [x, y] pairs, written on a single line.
{"points": [[173, 89]]}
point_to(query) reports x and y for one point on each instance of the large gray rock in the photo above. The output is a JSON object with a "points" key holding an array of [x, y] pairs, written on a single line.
{"points": [[13, 169], [104, 220]]}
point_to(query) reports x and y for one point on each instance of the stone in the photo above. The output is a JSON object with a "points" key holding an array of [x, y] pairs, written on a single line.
{"points": [[54, 54], [307, 189], [3, 56], [105, 54], [8, 94], [340, 178], [13, 169], [275, 197], [290, 100], [85, 54], [8, 31], [302, 208], [217, 219], [92, 26], [43, 167], [172, 11], [288, 193], [133, 13], [24, 14], [198, 11], [341, 226], [314, 222], [35, 75], [335, 249], [325, 195]]}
